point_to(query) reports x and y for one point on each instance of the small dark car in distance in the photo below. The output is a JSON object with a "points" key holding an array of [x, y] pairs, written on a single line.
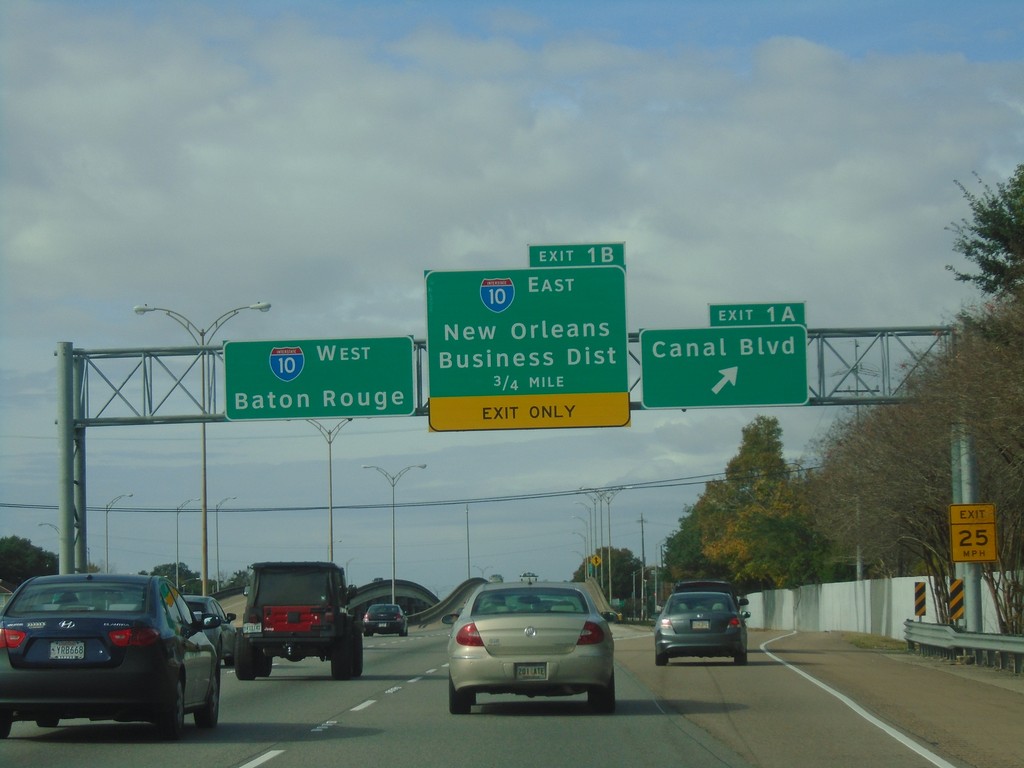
{"points": [[385, 619], [700, 624], [105, 647], [216, 624]]}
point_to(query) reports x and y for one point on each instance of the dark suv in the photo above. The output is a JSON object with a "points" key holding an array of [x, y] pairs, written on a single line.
{"points": [[295, 610]]}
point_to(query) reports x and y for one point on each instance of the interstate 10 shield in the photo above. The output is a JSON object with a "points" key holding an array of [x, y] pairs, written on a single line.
{"points": [[286, 363]]}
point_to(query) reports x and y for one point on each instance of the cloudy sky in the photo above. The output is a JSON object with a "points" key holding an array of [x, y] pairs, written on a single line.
{"points": [[322, 155]]}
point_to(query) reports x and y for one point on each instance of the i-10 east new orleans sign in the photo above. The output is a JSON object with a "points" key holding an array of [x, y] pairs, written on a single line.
{"points": [[527, 348], [724, 366], [319, 378]]}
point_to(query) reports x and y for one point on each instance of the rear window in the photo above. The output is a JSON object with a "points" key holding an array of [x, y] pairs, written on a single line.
{"points": [[699, 601], [514, 600], [380, 610], [293, 587], [78, 596]]}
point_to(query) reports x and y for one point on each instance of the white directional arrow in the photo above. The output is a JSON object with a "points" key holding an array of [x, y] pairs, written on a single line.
{"points": [[728, 377]]}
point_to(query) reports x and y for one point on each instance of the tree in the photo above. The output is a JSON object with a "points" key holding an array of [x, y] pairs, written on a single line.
{"points": [[994, 239], [169, 571], [755, 526], [21, 559]]}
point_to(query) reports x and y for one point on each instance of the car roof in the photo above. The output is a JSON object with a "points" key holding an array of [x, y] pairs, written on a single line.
{"points": [[704, 585], [98, 578]]}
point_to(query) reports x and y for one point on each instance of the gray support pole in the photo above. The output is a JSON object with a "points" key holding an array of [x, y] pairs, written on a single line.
{"points": [[65, 456], [971, 571], [81, 515]]}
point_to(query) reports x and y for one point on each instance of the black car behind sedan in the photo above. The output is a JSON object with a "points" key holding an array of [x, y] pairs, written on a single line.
{"points": [[384, 619], [105, 647]]}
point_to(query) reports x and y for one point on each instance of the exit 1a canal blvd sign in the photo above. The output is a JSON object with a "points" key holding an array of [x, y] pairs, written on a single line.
{"points": [[724, 366], [319, 378], [527, 348]]}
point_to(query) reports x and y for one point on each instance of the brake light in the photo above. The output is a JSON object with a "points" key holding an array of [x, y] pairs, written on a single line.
{"points": [[11, 638], [591, 634], [133, 636], [734, 622], [469, 635]]}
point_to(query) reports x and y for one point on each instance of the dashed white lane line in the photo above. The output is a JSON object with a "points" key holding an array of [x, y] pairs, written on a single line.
{"points": [[263, 758]]}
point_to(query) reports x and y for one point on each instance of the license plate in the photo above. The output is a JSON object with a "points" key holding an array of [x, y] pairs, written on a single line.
{"points": [[249, 628], [531, 671], [700, 624], [67, 650]]}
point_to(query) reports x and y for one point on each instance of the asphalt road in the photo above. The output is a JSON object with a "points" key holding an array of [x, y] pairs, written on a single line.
{"points": [[699, 714]]}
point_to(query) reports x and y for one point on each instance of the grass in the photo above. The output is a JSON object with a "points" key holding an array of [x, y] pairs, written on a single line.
{"points": [[874, 642]]}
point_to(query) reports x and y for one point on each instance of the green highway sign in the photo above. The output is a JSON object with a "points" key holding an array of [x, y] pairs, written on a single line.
{"points": [[588, 255], [789, 313], [723, 367], [527, 348], [319, 379]]}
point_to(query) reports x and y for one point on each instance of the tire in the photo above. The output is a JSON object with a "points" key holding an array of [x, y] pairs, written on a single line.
{"points": [[6, 720], [47, 722], [170, 722], [660, 659], [740, 658], [368, 633], [603, 699], [262, 664], [245, 668], [357, 655], [459, 702], [207, 716], [341, 659]]}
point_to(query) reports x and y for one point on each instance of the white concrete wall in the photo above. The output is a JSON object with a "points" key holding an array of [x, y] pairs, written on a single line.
{"points": [[876, 607]]}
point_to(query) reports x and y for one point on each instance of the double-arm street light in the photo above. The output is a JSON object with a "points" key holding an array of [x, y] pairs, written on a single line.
{"points": [[201, 336], [106, 530], [393, 479]]}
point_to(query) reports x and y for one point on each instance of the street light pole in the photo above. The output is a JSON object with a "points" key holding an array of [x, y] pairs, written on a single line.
{"points": [[177, 540], [393, 479], [216, 527], [200, 336], [106, 530]]}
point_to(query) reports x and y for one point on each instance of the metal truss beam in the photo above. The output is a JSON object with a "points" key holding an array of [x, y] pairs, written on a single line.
{"points": [[846, 366]]}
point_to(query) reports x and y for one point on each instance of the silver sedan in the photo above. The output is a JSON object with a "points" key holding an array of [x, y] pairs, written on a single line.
{"points": [[533, 639]]}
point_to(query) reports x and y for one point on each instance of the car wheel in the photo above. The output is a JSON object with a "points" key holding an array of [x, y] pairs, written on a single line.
{"points": [[660, 659], [740, 658], [6, 719], [47, 722], [170, 722], [368, 633], [459, 702], [209, 714], [262, 664], [341, 660], [245, 668], [603, 699], [404, 633], [357, 655]]}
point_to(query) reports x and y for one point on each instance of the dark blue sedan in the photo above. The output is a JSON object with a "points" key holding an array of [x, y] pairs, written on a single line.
{"points": [[105, 647]]}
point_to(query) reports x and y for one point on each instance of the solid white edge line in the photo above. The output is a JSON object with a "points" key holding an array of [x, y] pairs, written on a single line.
{"points": [[263, 758], [900, 737]]}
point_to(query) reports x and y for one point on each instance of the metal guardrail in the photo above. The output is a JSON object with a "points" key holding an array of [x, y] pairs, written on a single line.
{"points": [[997, 651]]}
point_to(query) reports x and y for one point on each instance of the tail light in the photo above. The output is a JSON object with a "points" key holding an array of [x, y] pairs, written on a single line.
{"points": [[591, 634], [469, 635], [734, 622], [133, 636], [11, 638]]}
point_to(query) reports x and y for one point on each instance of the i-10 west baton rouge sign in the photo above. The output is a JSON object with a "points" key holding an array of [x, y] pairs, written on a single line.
{"points": [[527, 348], [313, 379]]}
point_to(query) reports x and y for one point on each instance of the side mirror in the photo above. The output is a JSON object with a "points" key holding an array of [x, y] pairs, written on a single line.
{"points": [[611, 616], [743, 601], [449, 618], [745, 614], [211, 622], [230, 616]]}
